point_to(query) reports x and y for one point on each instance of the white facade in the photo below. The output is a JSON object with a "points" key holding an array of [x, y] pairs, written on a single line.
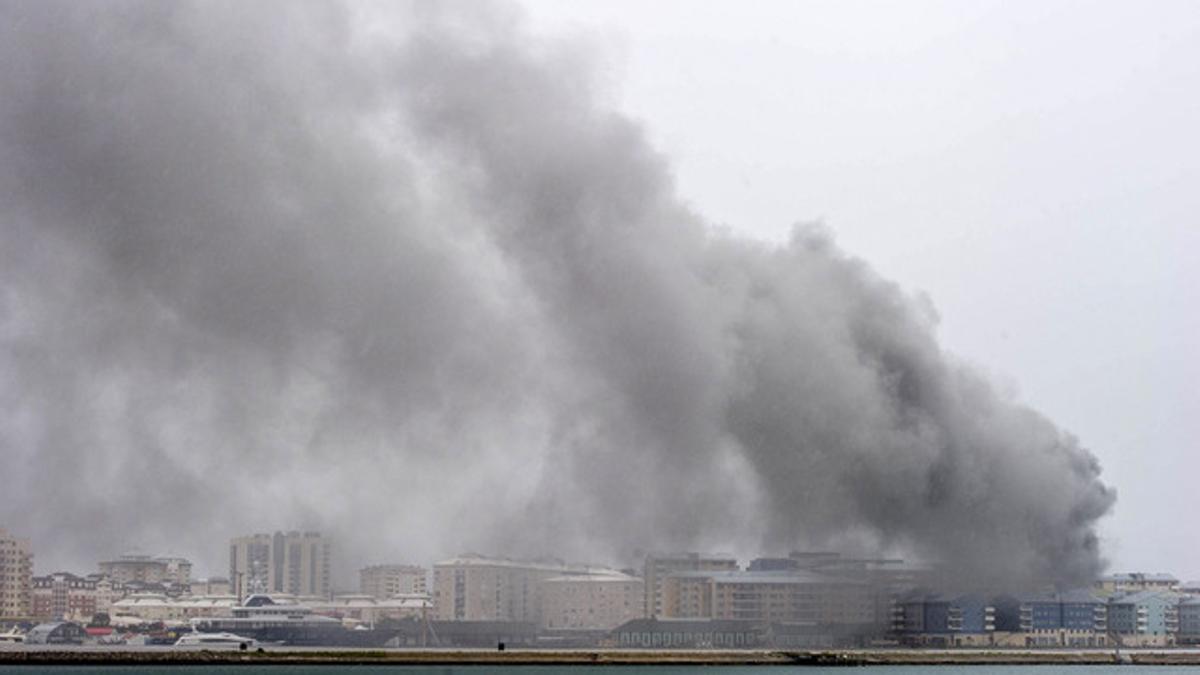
{"points": [[152, 607], [475, 588], [597, 600]]}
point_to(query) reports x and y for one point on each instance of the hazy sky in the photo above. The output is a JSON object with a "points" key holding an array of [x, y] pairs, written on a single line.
{"points": [[1034, 167], [400, 273]]}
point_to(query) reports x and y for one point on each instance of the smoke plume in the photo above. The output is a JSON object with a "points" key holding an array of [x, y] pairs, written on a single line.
{"points": [[397, 274]]}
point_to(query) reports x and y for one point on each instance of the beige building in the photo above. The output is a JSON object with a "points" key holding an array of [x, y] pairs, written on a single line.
{"points": [[659, 566], [150, 607], [16, 577], [772, 596], [134, 567], [367, 610], [297, 563], [593, 600], [386, 581], [212, 586], [475, 588]]}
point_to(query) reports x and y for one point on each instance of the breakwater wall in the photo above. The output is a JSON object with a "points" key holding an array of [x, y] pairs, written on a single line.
{"points": [[584, 657]]}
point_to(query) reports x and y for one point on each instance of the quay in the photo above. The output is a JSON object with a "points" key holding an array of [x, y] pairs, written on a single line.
{"points": [[329, 656]]}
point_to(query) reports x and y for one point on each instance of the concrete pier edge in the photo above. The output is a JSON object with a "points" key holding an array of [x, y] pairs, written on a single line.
{"points": [[594, 657]]}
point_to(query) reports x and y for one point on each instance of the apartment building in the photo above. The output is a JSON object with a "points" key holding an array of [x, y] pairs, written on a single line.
{"points": [[16, 577], [939, 620], [659, 566], [297, 563], [477, 588], [63, 596], [386, 581], [592, 600], [1145, 618], [1189, 621], [767, 596]]}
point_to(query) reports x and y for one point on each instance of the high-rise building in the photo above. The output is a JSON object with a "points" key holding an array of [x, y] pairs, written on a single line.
{"points": [[659, 566], [297, 563], [16, 577], [387, 581]]}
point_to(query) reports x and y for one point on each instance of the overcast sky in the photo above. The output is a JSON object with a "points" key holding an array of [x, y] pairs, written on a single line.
{"points": [[299, 264], [1031, 166]]}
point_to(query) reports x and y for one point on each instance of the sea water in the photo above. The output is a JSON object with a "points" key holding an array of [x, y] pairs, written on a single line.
{"points": [[585, 669]]}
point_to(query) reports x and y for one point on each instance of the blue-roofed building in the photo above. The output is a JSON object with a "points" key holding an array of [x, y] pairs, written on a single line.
{"points": [[943, 620], [1189, 621], [1145, 618], [1069, 619]]}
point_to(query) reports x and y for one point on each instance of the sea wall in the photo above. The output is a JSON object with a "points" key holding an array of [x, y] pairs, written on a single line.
{"points": [[584, 657]]}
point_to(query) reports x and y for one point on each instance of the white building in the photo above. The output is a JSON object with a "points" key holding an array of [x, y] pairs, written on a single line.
{"points": [[595, 600], [476, 588], [367, 609], [152, 607]]}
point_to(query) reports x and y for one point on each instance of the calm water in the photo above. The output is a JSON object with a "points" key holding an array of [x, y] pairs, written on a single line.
{"points": [[585, 669]]}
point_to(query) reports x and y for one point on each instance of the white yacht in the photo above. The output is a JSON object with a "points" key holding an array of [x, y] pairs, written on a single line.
{"points": [[213, 640], [266, 620], [12, 636]]}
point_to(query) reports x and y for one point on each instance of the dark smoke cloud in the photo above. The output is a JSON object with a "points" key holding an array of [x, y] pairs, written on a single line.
{"points": [[394, 273]]}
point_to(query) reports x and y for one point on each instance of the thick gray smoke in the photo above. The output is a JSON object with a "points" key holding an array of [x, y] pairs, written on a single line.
{"points": [[396, 274]]}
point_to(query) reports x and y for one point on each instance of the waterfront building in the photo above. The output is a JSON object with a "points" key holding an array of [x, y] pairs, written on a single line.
{"points": [[768, 596], [385, 581], [659, 566], [593, 600], [16, 577], [476, 588], [1145, 618], [1189, 621], [1070, 619], [297, 563], [140, 608], [368, 610], [939, 620]]}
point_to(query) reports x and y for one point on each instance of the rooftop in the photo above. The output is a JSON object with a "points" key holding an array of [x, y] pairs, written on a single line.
{"points": [[762, 577]]}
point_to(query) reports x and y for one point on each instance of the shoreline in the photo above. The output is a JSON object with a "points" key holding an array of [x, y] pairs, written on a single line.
{"points": [[319, 656]]}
